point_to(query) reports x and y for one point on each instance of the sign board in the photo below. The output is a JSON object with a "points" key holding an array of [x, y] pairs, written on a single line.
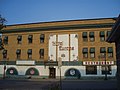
{"points": [[59, 62], [25, 62], [98, 62]]}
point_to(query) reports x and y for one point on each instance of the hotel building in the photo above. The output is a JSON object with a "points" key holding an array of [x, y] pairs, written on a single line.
{"points": [[78, 47]]}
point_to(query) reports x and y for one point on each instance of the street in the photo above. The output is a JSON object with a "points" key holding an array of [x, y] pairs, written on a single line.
{"points": [[48, 84]]}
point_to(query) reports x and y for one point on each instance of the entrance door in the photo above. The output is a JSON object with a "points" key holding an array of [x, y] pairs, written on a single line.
{"points": [[52, 73]]}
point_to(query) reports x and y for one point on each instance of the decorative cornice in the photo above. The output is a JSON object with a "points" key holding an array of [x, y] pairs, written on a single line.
{"points": [[65, 27]]}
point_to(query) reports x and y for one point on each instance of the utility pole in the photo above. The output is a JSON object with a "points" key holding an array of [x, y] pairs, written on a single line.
{"points": [[59, 66], [105, 68]]}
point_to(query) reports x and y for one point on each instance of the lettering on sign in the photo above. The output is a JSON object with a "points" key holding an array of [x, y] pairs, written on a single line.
{"points": [[98, 62], [65, 48], [61, 48], [57, 43]]}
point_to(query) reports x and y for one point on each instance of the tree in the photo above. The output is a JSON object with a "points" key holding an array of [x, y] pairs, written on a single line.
{"points": [[2, 21]]}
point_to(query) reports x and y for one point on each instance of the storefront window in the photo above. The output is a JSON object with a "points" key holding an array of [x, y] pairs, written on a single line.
{"points": [[91, 70], [108, 70]]}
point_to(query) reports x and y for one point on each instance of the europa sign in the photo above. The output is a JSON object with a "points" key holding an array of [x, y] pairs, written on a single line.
{"points": [[61, 48], [98, 62]]}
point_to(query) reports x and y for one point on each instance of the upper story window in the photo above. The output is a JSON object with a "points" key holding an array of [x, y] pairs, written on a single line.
{"points": [[5, 40], [110, 52], [1, 44], [103, 52], [18, 53], [108, 33], [29, 53], [4, 54], [19, 39], [41, 52], [92, 52], [102, 36], [42, 38], [84, 35], [85, 52], [92, 37], [30, 38]]}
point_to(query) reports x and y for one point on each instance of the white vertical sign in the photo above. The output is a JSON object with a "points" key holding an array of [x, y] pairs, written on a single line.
{"points": [[74, 44], [63, 52], [52, 48]]}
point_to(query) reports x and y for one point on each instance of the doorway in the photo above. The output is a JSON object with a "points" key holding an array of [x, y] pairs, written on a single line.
{"points": [[52, 72]]}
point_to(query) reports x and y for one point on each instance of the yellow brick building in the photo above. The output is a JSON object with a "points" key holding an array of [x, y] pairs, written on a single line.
{"points": [[36, 48]]}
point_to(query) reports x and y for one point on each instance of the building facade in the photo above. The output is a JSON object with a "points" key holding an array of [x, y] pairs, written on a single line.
{"points": [[38, 48]]}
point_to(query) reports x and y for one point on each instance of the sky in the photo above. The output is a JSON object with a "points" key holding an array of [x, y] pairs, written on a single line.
{"points": [[32, 11]]}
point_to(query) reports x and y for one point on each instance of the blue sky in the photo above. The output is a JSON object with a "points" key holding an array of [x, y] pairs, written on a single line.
{"points": [[31, 11]]}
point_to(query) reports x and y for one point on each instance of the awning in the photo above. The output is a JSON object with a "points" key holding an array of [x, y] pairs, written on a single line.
{"points": [[84, 34], [110, 49], [92, 50], [29, 51], [4, 51], [42, 36], [91, 34], [30, 36], [18, 51], [85, 50], [102, 50], [6, 38], [108, 33], [19, 37], [102, 33]]}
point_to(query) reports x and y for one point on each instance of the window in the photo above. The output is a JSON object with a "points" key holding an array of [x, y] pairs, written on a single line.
{"points": [[110, 52], [18, 53], [91, 70], [85, 52], [19, 38], [102, 36], [30, 37], [29, 53], [108, 33], [92, 52], [4, 54], [5, 40], [91, 35], [103, 52], [1, 43], [41, 52], [84, 35], [42, 38], [108, 70]]}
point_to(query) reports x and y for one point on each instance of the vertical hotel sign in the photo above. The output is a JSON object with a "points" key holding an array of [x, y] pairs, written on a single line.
{"points": [[64, 46]]}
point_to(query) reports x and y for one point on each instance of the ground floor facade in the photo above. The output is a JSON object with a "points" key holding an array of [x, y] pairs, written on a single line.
{"points": [[51, 70]]}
